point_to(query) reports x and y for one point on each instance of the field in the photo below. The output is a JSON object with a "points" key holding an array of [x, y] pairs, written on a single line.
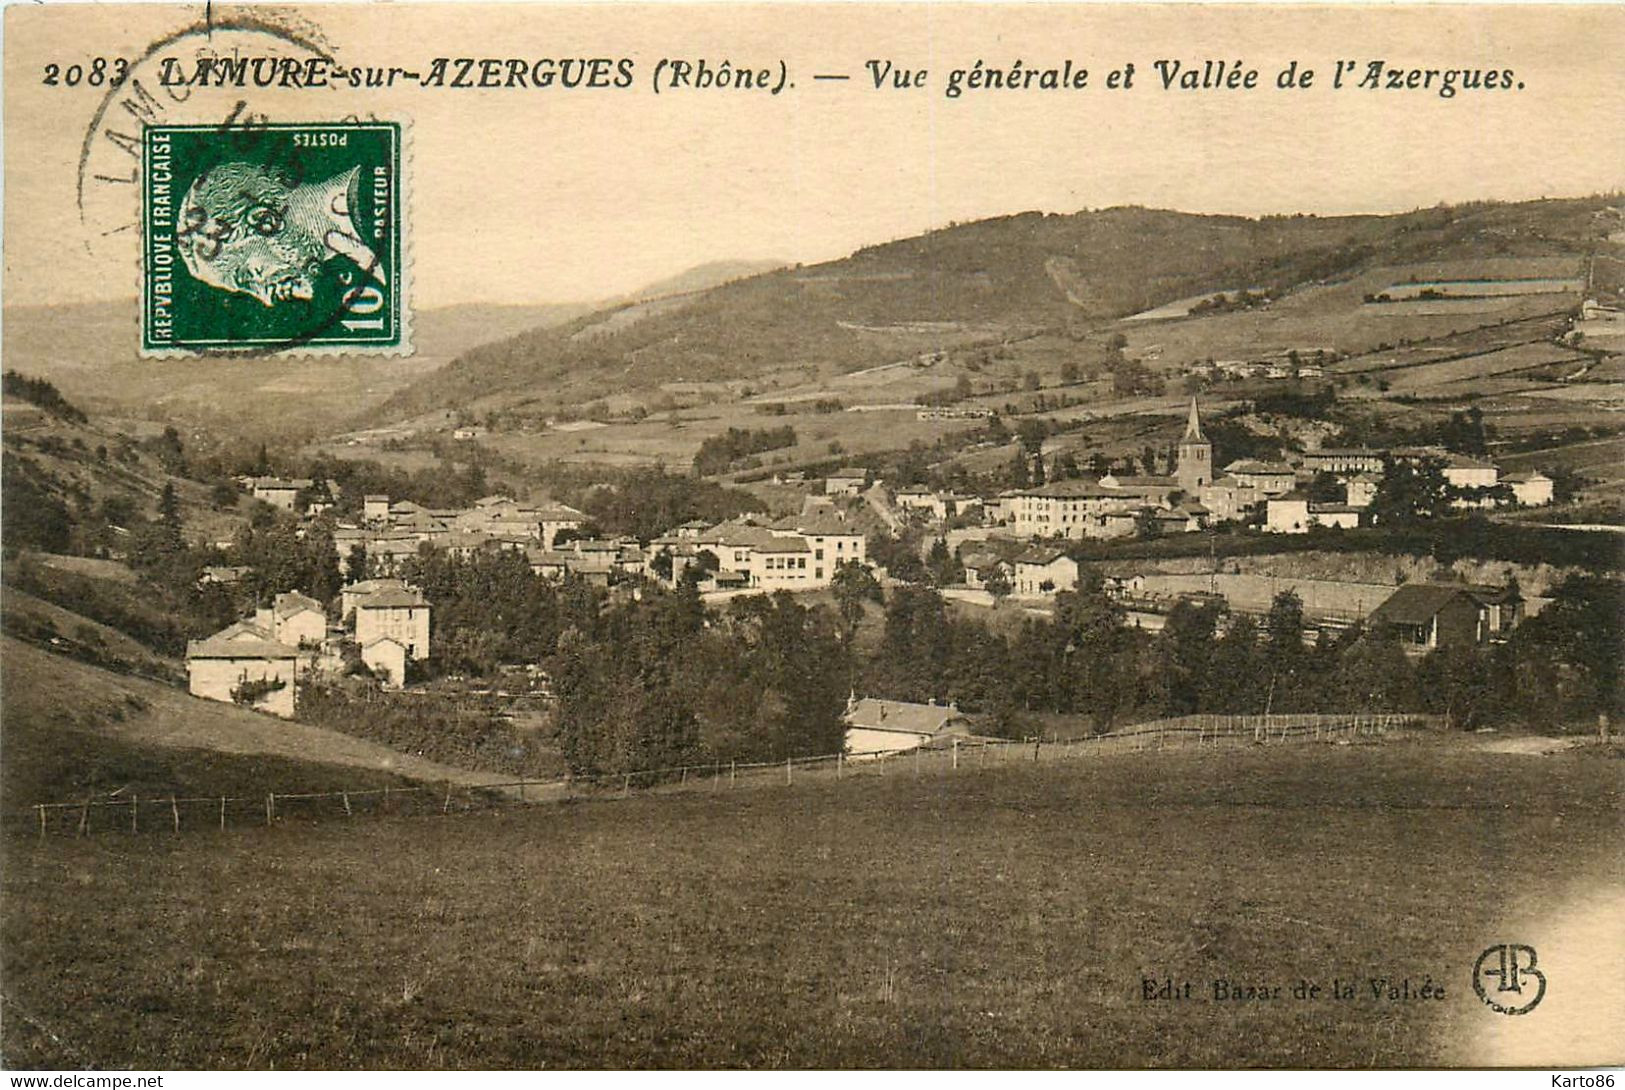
{"points": [[1000, 917]]}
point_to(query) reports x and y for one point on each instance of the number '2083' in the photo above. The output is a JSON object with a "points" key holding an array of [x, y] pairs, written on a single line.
{"points": [[98, 72]]}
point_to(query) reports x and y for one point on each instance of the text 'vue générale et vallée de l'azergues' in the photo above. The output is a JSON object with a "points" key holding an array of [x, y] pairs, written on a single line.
{"points": [[979, 77]]}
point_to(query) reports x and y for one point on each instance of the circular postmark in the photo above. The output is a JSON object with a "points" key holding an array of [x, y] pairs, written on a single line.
{"points": [[1506, 978]]}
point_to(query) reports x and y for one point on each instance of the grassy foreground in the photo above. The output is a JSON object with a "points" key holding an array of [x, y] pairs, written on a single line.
{"points": [[997, 917]]}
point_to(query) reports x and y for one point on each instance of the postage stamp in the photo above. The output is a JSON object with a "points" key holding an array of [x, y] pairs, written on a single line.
{"points": [[274, 238]]}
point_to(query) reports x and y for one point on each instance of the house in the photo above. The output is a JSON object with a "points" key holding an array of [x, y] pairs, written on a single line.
{"points": [[781, 563], [896, 726], [980, 567], [1227, 499], [298, 620], [1294, 514], [386, 657], [1287, 514], [400, 613], [1503, 605], [279, 492], [375, 507], [1044, 571], [1530, 489], [239, 658], [351, 595], [1360, 490], [833, 543], [846, 482], [1429, 616], [465, 434], [552, 518], [1470, 474], [1335, 516], [1267, 478], [922, 499], [222, 574]]}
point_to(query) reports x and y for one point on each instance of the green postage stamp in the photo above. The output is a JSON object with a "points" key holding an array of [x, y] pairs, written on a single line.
{"points": [[274, 239]]}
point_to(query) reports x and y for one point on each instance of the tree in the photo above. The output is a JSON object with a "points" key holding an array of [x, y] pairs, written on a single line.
{"points": [[1410, 492], [854, 584], [998, 583], [1283, 649], [356, 566]]}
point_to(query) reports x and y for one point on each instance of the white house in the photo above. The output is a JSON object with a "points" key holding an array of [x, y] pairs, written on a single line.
{"points": [[375, 508], [298, 620], [386, 656], [279, 492], [1043, 572], [1530, 489], [242, 655], [895, 726], [401, 614], [1287, 514], [1471, 473], [845, 482]]}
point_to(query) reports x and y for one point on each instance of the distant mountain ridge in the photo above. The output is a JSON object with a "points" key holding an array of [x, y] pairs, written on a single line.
{"points": [[993, 281], [88, 351]]}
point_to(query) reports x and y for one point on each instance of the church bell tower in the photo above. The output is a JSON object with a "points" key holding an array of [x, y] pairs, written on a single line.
{"points": [[1195, 467]]}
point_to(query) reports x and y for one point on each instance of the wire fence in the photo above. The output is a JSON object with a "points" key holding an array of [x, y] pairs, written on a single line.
{"points": [[174, 814]]}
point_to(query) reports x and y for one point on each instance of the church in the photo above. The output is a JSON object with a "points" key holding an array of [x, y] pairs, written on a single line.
{"points": [[1121, 505]]}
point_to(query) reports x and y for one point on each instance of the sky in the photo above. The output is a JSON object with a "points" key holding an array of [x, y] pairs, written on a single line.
{"points": [[552, 195]]}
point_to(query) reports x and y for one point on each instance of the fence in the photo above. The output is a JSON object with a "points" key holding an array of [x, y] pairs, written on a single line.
{"points": [[176, 814]]}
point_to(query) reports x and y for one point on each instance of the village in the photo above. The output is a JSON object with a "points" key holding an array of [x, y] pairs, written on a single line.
{"points": [[1017, 546]]}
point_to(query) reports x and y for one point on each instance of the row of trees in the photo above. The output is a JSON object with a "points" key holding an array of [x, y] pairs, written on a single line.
{"points": [[1563, 665]]}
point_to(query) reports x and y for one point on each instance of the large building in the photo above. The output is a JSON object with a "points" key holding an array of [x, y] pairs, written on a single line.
{"points": [[397, 612]]}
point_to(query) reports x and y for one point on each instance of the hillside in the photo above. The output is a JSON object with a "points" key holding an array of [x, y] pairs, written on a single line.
{"points": [[72, 729], [994, 282]]}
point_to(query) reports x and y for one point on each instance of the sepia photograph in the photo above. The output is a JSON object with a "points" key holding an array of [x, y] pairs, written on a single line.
{"points": [[812, 536]]}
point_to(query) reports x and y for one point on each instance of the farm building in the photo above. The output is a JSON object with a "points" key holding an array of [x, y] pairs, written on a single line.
{"points": [[896, 726], [1429, 616]]}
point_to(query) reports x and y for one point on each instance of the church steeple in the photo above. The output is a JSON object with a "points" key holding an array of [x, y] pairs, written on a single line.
{"points": [[1195, 467]]}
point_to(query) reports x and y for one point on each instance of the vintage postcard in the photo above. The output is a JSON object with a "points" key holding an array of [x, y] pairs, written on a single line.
{"points": [[812, 536]]}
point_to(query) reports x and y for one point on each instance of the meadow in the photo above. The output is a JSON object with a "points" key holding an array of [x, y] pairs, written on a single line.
{"points": [[1006, 916]]}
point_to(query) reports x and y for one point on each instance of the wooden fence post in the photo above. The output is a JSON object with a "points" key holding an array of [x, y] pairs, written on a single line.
{"points": [[626, 785], [175, 812], [445, 807], [84, 818], [134, 821], [916, 761], [223, 812], [956, 755], [385, 807], [522, 789], [837, 765], [42, 821], [787, 777], [683, 782], [345, 795], [270, 808], [733, 769]]}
